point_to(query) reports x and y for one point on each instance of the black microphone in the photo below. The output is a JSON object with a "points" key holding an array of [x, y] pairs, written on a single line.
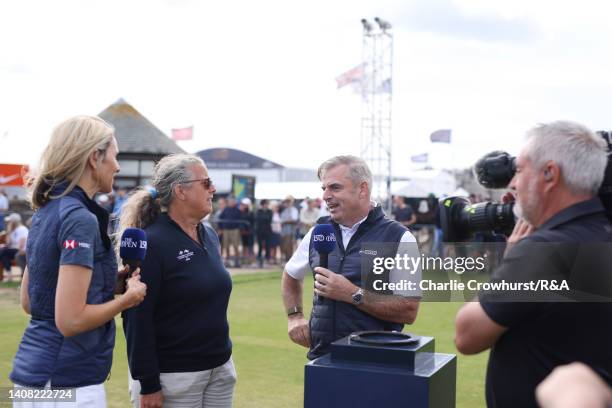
{"points": [[324, 240], [133, 247]]}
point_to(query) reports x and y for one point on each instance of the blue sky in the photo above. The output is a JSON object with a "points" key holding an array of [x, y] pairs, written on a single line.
{"points": [[259, 76]]}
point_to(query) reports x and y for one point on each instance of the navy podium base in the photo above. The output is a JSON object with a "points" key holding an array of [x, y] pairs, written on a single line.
{"points": [[357, 375]]}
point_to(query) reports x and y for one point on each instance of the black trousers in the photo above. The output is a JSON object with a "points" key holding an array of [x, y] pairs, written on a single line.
{"points": [[263, 241], [6, 257]]}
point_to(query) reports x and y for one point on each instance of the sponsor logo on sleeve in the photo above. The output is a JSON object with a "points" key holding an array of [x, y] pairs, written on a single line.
{"points": [[73, 244], [70, 244]]}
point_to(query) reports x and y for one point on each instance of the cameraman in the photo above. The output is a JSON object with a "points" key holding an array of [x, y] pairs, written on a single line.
{"points": [[559, 172]]}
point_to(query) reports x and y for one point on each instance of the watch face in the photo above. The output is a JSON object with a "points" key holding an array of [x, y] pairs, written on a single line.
{"points": [[357, 297]]}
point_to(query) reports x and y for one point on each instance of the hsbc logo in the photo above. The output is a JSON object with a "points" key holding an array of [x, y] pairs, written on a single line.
{"points": [[70, 244], [73, 244]]}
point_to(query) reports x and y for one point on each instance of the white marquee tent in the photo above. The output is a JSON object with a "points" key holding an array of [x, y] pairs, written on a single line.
{"points": [[419, 184]]}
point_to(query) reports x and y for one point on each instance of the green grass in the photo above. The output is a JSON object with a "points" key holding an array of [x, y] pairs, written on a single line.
{"points": [[270, 367]]}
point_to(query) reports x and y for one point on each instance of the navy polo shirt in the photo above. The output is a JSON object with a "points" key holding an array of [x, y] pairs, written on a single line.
{"points": [[544, 335], [70, 230], [181, 326], [230, 218], [403, 214]]}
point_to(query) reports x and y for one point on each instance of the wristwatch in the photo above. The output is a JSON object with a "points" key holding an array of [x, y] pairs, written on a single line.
{"points": [[358, 297], [294, 310]]}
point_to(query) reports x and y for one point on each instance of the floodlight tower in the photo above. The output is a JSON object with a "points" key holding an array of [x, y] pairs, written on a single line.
{"points": [[376, 97]]}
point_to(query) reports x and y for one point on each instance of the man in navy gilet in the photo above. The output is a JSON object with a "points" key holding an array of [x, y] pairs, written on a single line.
{"points": [[340, 305]]}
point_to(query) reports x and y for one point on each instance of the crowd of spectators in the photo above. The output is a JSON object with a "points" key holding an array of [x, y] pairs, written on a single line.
{"points": [[262, 234], [267, 232], [252, 234], [13, 236]]}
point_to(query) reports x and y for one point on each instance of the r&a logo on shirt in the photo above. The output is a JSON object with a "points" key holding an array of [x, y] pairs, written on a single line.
{"points": [[184, 255]]}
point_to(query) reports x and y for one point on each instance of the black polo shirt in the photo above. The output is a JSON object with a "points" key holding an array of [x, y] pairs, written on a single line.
{"points": [[403, 214], [543, 335], [181, 326]]}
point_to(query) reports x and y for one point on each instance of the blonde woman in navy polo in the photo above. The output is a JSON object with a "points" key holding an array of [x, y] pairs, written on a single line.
{"points": [[69, 285]]}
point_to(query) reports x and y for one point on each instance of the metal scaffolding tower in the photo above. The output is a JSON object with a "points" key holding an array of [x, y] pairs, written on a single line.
{"points": [[376, 94]]}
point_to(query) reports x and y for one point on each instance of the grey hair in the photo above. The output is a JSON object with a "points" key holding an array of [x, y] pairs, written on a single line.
{"points": [[580, 154], [171, 171], [358, 169], [142, 209]]}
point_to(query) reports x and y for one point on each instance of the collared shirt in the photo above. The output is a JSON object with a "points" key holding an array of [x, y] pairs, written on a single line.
{"points": [[308, 218], [70, 230], [230, 218], [402, 214], [588, 232], [297, 267], [348, 232], [542, 336], [181, 325], [289, 214]]}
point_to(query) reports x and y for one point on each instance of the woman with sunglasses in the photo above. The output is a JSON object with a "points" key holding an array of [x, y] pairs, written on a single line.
{"points": [[178, 343]]}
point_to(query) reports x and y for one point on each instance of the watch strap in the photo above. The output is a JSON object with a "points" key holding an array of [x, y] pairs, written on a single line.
{"points": [[358, 297], [294, 310]]}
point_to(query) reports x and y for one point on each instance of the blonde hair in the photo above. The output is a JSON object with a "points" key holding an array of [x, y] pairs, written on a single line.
{"points": [[65, 157], [143, 205]]}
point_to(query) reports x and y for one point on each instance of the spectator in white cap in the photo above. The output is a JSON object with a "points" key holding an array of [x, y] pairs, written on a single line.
{"points": [[15, 244]]}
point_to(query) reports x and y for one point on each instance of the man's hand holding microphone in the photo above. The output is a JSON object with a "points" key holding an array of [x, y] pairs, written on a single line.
{"points": [[324, 241]]}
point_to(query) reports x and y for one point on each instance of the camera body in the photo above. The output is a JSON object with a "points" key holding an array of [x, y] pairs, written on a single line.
{"points": [[460, 219]]}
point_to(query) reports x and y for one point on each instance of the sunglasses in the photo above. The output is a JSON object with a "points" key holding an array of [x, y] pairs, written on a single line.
{"points": [[207, 182]]}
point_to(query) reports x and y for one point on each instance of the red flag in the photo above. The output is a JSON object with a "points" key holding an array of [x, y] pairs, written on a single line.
{"points": [[182, 134], [350, 76]]}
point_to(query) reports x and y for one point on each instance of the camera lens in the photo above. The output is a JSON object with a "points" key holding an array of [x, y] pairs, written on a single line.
{"points": [[460, 219], [487, 217]]}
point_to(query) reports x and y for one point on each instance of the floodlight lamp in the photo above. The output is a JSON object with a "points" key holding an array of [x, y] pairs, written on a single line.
{"points": [[367, 27], [384, 25]]}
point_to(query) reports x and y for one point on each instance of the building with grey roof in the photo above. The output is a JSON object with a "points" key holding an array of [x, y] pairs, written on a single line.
{"points": [[141, 144], [224, 162]]}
